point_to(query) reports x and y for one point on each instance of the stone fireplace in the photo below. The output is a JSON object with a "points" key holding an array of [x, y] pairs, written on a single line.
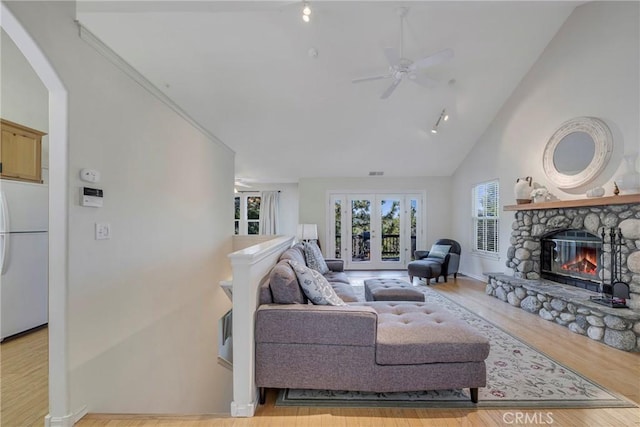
{"points": [[567, 231], [559, 257]]}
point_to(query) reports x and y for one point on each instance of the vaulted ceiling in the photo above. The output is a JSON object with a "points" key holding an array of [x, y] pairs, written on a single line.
{"points": [[246, 72]]}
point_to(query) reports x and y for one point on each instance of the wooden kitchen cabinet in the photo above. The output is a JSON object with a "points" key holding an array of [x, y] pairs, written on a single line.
{"points": [[20, 152]]}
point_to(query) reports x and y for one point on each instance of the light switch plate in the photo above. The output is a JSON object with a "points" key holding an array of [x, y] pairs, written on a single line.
{"points": [[103, 230]]}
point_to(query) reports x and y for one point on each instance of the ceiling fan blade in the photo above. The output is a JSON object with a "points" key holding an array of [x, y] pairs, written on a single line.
{"points": [[387, 93], [368, 79], [429, 61], [392, 56], [423, 80]]}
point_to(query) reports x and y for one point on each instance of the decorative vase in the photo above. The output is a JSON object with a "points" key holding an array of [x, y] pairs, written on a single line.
{"points": [[629, 182], [522, 190], [540, 199]]}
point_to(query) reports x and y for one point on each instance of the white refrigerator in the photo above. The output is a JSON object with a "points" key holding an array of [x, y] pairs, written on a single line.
{"points": [[24, 284]]}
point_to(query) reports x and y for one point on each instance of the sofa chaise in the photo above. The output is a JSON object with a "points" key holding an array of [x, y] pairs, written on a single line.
{"points": [[380, 346]]}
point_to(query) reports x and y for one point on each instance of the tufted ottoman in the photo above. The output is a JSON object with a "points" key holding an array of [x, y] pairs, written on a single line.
{"points": [[425, 268], [391, 290]]}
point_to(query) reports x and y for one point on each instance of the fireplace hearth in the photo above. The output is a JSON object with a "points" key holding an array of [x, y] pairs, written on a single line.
{"points": [[572, 257]]}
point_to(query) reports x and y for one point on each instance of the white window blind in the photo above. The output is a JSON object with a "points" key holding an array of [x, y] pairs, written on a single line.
{"points": [[486, 213]]}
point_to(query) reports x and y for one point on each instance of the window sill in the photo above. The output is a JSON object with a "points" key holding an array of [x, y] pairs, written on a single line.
{"points": [[487, 255]]}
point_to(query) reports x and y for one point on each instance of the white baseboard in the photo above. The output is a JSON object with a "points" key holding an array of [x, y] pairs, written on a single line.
{"points": [[480, 277], [243, 410], [66, 421]]}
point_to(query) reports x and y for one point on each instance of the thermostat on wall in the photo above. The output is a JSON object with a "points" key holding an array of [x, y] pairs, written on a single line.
{"points": [[91, 197]]}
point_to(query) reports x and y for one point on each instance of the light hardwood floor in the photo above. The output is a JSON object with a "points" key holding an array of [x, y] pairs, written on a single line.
{"points": [[616, 370], [24, 380]]}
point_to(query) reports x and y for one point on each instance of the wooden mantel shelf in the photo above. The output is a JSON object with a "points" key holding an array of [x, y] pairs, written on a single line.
{"points": [[596, 201]]}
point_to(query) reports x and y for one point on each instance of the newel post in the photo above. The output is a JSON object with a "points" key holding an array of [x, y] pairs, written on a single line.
{"points": [[250, 266]]}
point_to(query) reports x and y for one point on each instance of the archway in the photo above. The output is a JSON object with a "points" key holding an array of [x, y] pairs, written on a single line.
{"points": [[59, 407]]}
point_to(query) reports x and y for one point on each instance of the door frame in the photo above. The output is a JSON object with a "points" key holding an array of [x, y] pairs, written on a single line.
{"points": [[60, 413], [344, 195]]}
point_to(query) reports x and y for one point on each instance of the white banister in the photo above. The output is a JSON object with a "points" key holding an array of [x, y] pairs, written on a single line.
{"points": [[250, 266]]}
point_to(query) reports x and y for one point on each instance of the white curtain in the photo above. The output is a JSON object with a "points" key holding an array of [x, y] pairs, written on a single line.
{"points": [[269, 212]]}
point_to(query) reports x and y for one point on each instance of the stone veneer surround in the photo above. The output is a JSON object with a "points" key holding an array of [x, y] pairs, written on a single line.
{"points": [[567, 305], [523, 257]]}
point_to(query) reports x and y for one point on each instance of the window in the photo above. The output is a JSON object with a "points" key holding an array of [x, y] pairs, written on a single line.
{"points": [[247, 215], [486, 201]]}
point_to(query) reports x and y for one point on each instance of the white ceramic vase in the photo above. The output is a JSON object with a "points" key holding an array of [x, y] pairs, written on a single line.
{"points": [[629, 182], [522, 190]]}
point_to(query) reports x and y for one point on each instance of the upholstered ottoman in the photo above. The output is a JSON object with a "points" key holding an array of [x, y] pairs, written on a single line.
{"points": [[391, 290], [424, 268]]}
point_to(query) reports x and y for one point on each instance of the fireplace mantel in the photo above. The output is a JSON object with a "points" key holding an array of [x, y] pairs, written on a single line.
{"points": [[596, 201]]}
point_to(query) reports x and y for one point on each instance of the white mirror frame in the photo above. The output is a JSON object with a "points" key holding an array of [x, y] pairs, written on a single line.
{"points": [[601, 134]]}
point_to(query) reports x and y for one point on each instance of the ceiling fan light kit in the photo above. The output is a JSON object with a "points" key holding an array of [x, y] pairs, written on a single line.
{"points": [[401, 67]]}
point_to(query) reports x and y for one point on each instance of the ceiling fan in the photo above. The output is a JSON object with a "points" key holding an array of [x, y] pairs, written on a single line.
{"points": [[401, 68]]}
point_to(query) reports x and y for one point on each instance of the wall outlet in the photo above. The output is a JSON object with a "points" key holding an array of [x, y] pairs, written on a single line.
{"points": [[103, 230]]}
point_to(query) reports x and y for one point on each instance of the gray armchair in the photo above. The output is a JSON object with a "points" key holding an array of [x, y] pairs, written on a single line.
{"points": [[433, 267]]}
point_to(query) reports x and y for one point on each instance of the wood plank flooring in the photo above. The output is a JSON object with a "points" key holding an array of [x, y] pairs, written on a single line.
{"points": [[24, 380], [616, 370]]}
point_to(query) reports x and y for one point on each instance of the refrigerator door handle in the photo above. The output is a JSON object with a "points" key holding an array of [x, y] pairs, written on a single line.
{"points": [[4, 233], [4, 248]]}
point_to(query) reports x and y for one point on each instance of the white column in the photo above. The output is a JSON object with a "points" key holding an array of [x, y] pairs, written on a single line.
{"points": [[250, 266]]}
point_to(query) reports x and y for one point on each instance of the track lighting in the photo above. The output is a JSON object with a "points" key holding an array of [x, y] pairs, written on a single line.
{"points": [[306, 12], [443, 117]]}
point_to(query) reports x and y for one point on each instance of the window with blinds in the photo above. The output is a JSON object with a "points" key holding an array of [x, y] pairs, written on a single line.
{"points": [[486, 213]]}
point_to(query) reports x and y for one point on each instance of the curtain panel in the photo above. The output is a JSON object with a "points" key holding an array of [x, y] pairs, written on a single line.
{"points": [[269, 212]]}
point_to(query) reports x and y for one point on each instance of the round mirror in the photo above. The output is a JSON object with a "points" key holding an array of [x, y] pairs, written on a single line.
{"points": [[574, 153], [577, 152]]}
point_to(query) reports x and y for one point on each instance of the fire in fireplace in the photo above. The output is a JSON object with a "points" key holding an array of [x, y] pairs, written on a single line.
{"points": [[572, 257]]}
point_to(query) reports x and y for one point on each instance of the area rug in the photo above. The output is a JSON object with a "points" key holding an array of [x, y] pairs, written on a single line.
{"points": [[518, 376]]}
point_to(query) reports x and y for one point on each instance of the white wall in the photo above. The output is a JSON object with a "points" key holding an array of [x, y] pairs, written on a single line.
{"points": [[24, 100], [590, 68], [144, 305], [313, 200]]}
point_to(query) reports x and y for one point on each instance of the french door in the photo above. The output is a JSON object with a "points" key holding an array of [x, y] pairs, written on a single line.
{"points": [[374, 231]]}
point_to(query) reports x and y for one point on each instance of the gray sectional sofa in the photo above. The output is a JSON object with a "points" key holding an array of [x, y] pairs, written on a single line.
{"points": [[381, 346]]}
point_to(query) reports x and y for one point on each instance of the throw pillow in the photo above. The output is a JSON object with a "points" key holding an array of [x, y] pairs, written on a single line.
{"points": [[314, 258], [315, 286], [439, 251], [284, 285]]}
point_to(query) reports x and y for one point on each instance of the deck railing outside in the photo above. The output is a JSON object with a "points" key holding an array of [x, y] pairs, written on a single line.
{"points": [[360, 247]]}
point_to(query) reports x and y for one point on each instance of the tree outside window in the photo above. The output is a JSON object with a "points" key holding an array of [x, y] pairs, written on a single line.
{"points": [[247, 215]]}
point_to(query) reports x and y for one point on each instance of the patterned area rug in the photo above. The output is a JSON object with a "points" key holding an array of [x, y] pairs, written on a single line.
{"points": [[517, 376]]}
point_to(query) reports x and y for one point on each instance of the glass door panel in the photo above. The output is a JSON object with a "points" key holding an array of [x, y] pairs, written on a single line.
{"points": [[337, 228], [413, 232], [389, 231], [360, 230]]}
